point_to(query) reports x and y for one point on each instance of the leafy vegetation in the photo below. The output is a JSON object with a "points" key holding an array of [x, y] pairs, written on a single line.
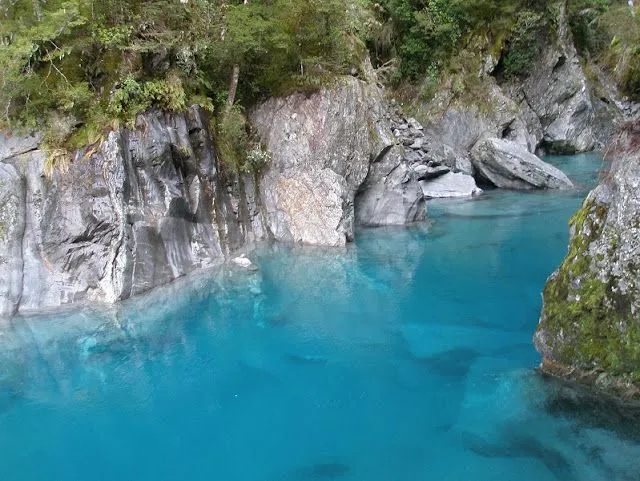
{"points": [[607, 32], [84, 61], [75, 67], [425, 35]]}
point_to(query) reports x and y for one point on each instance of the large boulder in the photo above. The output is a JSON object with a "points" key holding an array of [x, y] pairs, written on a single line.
{"points": [[451, 184], [322, 146], [508, 165], [12, 222], [590, 326]]}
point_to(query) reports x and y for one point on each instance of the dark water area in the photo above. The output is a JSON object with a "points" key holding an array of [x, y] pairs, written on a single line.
{"points": [[406, 356]]}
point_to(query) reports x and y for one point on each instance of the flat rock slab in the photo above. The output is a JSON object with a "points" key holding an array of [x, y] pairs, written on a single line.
{"points": [[452, 184]]}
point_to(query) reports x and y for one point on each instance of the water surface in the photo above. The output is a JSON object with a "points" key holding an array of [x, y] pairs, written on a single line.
{"points": [[404, 357]]}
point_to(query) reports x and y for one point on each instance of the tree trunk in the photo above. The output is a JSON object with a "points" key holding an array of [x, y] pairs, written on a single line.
{"points": [[233, 87]]}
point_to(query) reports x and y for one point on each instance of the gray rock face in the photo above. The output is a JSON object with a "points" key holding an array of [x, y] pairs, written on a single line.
{"points": [[460, 127], [557, 92], [507, 165], [590, 329], [390, 195], [450, 185], [147, 207], [13, 145], [12, 215], [151, 204], [322, 147]]}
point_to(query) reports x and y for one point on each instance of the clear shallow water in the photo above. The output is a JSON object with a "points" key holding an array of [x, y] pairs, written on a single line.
{"points": [[404, 357]]}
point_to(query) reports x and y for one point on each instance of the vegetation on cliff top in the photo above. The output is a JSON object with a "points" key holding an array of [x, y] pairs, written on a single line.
{"points": [[76, 66]]}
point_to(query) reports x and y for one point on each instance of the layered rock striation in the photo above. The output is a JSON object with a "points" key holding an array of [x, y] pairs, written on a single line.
{"points": [[153, 203], [145, 207]]}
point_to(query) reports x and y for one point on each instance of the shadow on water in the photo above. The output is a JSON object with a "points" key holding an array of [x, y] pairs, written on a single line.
{"points": [[318, 472], [454, 363], [592, 410], [516, 445]]}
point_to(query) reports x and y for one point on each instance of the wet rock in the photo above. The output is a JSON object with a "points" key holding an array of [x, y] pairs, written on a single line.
{"points": [[242, 261], [508, 165], [145, 208]]}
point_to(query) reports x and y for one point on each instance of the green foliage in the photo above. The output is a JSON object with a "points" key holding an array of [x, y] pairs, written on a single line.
{"points": [[92, 62], [132, 97], [240, 152], [89, 60], [523, 46], [630, 80], [427, 34], [607, 33], [589, 36], [622, 55]]}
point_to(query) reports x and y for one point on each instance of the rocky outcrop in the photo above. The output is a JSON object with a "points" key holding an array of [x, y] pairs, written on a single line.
{"points": [[557, 93], [150, 204], [459, 125], [147, 206], [325, 149], [390, 194], [590, 326], [507, 165]]}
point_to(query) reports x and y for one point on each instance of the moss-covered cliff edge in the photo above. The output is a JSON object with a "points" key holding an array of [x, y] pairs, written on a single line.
{"points": [[589, 329]]}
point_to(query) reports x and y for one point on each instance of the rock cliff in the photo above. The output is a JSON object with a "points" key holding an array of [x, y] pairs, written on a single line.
{"points": [[590, 324], [153, 203], [550, 111], [335, 161], [149, 205]]}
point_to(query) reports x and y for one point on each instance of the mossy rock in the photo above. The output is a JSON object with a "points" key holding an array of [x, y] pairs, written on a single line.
{"points": [[587, 324]]}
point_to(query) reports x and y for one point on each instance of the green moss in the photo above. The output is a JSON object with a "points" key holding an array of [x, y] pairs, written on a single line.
{"points": [[373, 131], [590, 318]]}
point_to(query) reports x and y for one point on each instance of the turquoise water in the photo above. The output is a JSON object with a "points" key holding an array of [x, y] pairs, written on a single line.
{"points": [[406, 356]]}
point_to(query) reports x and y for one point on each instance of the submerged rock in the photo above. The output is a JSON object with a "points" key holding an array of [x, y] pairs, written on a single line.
{"points": [[508, 165], [242, 261], [589, 328], [452, 184]]}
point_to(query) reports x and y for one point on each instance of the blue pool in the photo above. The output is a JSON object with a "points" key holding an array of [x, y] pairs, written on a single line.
{"points": [[404, 357]]}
